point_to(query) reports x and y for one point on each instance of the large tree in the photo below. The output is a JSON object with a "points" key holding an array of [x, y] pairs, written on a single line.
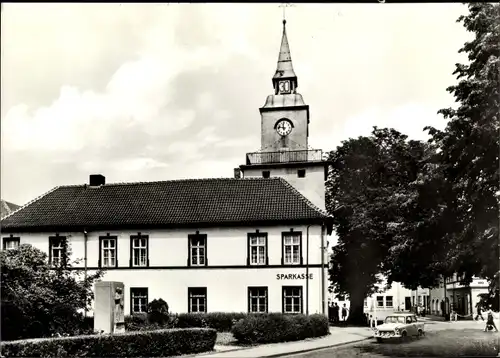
{"points": [[469, 148], [38, 299], [367, 193]]}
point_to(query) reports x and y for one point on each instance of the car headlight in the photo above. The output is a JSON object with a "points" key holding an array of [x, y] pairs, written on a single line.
{"points": [[397, 331]]}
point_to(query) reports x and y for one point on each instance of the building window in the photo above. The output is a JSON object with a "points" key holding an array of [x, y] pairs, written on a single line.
{"points": [[57, 250], [292, 248], [11, 243], [197, 299], [341, 297], [138, 299], [257, 249], [388, 301], [108, 251], [301, 173], [380, 301], [257, 299], [197, 250], [139, 250], [266, 174], [292, 299]]}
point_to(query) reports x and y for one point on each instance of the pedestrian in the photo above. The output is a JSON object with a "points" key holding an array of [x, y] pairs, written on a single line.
{"points": [[490, 322], [336, 309], [454, 315], [479, 312], [344, 314]]}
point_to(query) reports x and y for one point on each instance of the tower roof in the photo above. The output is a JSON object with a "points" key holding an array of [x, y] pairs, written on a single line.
{"points": [[285, 67]]}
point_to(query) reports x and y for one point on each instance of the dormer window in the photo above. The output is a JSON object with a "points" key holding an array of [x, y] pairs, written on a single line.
{"points": [[266, 174]]}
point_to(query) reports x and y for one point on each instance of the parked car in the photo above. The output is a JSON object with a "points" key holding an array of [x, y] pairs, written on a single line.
{"points": [[399, 326]]}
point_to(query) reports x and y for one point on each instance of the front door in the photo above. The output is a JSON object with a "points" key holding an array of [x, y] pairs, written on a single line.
{"points": [[407, 303]]}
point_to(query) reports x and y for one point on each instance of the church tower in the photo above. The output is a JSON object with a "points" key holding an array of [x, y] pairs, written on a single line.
{"points": [[284, 148]]}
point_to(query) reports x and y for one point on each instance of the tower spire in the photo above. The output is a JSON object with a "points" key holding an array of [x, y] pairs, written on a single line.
{"points": [[285, 67]]}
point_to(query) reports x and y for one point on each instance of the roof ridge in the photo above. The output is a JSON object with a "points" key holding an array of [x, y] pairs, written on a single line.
{"points": [[31, 202], [170, 181], [303, 198]]}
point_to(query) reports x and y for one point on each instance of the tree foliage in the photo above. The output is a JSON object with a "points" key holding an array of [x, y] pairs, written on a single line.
{"points": [[368, 195], [414, 211], [469, 148], [39, 300]]}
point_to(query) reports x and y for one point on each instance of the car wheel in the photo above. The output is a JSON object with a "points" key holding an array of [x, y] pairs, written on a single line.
{"points": [[420, 333], [379, 340], [403, 336]]}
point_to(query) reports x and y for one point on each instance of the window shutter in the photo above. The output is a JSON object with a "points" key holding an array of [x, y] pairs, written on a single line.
{"points": [[116, 251], [100, 253], [189, 253], [206, 254]]}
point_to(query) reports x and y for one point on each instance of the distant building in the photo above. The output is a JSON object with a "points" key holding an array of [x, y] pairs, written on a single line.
{"points": [[452, 295], [7, 208]]}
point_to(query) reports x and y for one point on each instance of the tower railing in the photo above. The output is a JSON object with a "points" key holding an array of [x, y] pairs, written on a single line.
{"points": [[289, 156]]}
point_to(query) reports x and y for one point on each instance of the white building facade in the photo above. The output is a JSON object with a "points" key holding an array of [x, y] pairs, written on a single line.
{"points": [[228, 269]]}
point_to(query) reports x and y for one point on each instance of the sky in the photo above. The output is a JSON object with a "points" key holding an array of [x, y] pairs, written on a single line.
{"points": [[146, 92]]}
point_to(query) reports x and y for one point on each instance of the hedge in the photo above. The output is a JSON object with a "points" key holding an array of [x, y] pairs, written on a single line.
{"points": [[160, 343], [220, 321], [277, 327]]}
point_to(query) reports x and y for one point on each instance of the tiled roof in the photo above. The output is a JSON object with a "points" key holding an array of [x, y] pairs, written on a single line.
{"points": [[177, 203], [6, 208]]}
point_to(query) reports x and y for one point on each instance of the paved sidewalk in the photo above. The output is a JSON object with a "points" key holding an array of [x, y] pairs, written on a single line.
{"points": [[338, 336]]}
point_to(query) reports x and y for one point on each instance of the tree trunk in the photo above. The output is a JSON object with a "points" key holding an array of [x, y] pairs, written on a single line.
{"points": [[356, 314]]}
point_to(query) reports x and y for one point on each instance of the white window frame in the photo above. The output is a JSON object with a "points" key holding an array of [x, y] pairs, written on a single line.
{"points": [[389, 303], [16, 241], [380, 301], [296, 299], [257, 249], [139, 298], [259, 295], [139, 251], [110, 250], [197, 299], [197, 244], [292, 242], [56, 245]]}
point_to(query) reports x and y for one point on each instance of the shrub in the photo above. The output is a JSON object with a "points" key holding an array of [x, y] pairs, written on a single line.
{"points": [[39, 300], [160, 343], [277, 327], [220, 321], [136, 322], [158, 312]]}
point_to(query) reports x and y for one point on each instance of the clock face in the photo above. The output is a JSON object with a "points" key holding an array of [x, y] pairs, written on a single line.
{"points": [[283, 127], [284, 86]]}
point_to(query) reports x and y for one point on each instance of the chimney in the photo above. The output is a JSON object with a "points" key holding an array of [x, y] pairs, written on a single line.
{"points": [[97, 180], [237, 173]]}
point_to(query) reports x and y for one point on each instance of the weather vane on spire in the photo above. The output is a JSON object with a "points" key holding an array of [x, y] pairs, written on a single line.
{"points": [[284, 6]]}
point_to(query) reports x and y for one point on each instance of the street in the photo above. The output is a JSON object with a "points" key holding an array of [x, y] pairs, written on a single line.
{"points": [[443, 339]]}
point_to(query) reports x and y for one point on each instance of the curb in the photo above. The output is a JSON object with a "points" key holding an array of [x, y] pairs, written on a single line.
{"points": [[314, 349]]}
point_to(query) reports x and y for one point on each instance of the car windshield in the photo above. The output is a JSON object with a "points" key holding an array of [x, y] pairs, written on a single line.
{"points": [[395, 319]]}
